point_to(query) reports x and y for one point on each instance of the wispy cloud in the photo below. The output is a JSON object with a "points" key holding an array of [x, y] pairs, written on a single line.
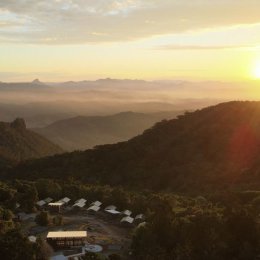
{"points": [[74, 21], [203, 47]]}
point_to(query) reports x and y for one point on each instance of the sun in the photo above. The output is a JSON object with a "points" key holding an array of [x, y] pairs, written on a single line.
{"points": [[256, 71]]}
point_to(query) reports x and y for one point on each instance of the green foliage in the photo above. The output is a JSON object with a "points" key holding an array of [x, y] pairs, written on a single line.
{"points": [[114, 257], [43, 249], [6, 214], [48, 188], [205, 235], [13, 245], [27, 195], [92, 256], [57, 220], [43, 218], [7, 195]]}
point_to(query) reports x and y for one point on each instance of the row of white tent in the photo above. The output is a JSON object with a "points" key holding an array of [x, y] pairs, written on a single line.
{"points": [[94, 207]]}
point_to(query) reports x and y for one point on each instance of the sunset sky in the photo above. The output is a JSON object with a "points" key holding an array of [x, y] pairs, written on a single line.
{"points": [[58, 40]]}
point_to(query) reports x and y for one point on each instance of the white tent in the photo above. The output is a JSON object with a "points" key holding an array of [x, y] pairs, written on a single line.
{"points": [[110, 207], [139, 217], [48, 200], [80, 201], [65, 200], [41, 203], [32, 239], [94, 208], [127, 212], [127, 219], [142, 224], [96, 203], [80, 204], [112, 211]]}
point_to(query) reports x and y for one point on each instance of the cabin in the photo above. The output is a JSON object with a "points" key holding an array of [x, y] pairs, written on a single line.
{"points": [[67, 239], [56, 206]]}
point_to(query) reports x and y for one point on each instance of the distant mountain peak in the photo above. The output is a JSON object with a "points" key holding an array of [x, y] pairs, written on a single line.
{"points": [[37, 81], [19, 123], [18, 143]]}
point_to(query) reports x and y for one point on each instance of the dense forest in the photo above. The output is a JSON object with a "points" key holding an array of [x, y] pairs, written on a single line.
{"points": [[225, 223], [210, 149]]}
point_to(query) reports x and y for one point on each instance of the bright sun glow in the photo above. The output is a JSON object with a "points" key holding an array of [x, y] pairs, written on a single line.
{"points": [[257, 71]]}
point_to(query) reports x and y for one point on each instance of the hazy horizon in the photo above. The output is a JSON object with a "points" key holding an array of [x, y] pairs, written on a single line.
{"points": [[152, 40]]}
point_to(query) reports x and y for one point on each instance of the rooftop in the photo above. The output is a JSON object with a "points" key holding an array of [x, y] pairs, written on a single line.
{"points": [[48, 200], [127, 219], [94, 208], [127, 212], [60, 234], [56, 203], [110, 207], [96, 203], [41, 203], [112, 211]]}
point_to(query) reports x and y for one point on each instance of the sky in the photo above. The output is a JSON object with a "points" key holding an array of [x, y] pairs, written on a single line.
{"points": [[59, 40]]}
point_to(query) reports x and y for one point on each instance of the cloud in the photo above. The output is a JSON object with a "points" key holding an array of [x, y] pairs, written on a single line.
{"points": [[74, 21], [203, 47]]}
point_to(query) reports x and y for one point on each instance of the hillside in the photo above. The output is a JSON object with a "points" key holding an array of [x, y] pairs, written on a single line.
{"points": [[83, 132], [18, 143], [213, 148]]}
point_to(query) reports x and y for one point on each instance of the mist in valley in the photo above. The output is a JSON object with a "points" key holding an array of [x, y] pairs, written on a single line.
{"points": [[41, 104]]}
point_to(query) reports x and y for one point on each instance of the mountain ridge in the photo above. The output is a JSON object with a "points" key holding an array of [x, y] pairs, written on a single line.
{"points": [[213, 148], [82, 132]]}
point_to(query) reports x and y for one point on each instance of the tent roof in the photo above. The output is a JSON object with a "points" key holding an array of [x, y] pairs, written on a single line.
{"points": [[127, 219], [94, 208], [96, 203], [110, 207], [112, 211], [41, 203], [127, 212]]}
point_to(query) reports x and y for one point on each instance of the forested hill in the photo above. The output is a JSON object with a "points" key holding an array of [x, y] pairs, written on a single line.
{"points": [[17, 143], [216, 147], [84, 132]]}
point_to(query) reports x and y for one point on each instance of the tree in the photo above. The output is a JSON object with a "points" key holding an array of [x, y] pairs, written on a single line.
{"points": [[242, 235], [57, 220], [43, 249], [27, 195], [43, 218], [114, 257], [48, 188], [13, 245], [92, 256]]}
